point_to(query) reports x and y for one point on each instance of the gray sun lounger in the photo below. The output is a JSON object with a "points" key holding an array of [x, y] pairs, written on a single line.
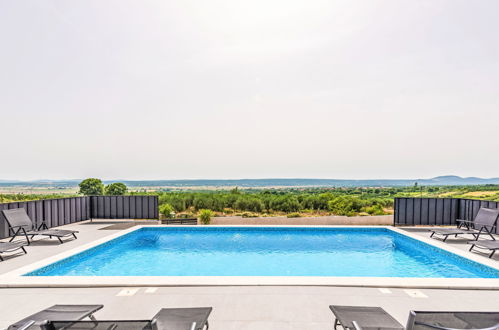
{"points": [[183, 318], [165, 319], [20, 224], [11, 247], [57, 312], [376, 318], [367, 318], [492, 246], [484, 223]]}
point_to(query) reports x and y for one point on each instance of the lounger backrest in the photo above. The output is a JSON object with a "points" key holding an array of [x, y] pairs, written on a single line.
{"points": [[442, 320], [486, 217], [17, 218]]}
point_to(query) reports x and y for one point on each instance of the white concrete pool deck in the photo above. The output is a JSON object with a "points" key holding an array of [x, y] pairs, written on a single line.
{"points": [[234, 307], [14, 277]]}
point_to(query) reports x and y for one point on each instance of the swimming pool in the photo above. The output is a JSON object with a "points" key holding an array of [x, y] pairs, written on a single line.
{"points": [[267, 251]]}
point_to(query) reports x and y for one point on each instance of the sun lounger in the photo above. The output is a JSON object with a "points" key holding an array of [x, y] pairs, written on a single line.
{"points": [[57, 312], [20, 224], [11, 247], [366, 318], [183, 318], [376, 318], [492, 246], [484, 223], [165, 319]]}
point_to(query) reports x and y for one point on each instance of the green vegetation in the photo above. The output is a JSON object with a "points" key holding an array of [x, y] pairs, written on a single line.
{"points": [[289, 202], [205, 216], [167, 210], [91, 187], [8, 198], [313, 201], [116, 189]]}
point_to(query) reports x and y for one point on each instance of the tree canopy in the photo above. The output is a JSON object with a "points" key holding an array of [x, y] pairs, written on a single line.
{"points": [[116, 189], [91, 187]]}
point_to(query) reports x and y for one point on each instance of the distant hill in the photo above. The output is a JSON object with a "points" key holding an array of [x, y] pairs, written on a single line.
{"points": [[449, 180]]}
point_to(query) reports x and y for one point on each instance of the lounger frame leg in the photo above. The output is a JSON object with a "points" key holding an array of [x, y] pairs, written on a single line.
{"points": [[16, 233], [492, 253], [93, 319], [26, 235], [336, 323]]}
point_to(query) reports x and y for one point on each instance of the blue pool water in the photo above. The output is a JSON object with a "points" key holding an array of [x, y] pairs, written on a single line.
{"points": [[264, 251]]}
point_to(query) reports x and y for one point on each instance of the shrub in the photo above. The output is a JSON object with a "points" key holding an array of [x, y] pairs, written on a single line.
{"points": [[167, 210], [294, 215], [116, 189], [91, 186], [375, 210], [205, 216], [345, 205]]}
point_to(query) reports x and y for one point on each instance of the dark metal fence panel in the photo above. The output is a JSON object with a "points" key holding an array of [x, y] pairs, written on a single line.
{"points": [[61, 211], [124, 207], [55, 212], [132, 207], [437, 211]]}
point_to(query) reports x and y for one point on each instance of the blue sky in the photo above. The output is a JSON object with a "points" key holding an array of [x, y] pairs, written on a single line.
{"points": [[249, 89]]}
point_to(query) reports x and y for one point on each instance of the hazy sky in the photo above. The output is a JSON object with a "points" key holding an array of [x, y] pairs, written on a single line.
{"points": [[248, 89]]}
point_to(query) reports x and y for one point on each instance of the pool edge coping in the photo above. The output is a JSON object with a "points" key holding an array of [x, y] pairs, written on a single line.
{"points": [[15, 278]]}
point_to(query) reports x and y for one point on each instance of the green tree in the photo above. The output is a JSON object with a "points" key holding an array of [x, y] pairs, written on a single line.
{"points": [[116, 189], [91, 186]]}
